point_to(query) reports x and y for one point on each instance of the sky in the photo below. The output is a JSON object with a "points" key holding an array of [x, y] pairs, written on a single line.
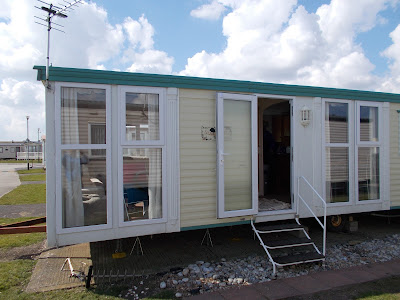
{"points": [[339, 43]]}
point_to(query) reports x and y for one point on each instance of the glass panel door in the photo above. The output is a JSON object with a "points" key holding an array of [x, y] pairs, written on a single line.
{"points": [[237, 160]]}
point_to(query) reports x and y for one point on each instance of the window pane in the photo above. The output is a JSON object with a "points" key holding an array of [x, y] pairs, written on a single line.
{"points": [[142, 183], [84, 190], [368, 173], [336, 122], [98, 136], [237, 165], [368, 124], [337, 174], [142, 117], [79, 108]]}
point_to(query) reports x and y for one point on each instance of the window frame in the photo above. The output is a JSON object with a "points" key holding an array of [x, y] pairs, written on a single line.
{"points": [[368, 144], [349, 145], [60, 147], [161, 112], [155, 144]]}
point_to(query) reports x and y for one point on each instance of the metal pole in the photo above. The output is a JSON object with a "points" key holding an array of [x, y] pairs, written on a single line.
{"points": [[27, 137], [48, 47]]}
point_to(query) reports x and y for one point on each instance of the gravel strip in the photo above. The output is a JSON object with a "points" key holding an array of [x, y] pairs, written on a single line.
{"points": [[201, 277]]}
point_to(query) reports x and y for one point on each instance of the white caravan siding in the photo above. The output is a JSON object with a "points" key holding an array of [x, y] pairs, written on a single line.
{"points": [[394, 155], [198, 159]]}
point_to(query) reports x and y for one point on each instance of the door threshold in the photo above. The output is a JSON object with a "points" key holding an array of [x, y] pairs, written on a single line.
{"points": [[275, 212]]}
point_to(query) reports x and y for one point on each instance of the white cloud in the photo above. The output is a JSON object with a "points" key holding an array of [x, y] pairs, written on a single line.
{"points": [[90, 41], [392, 82], [211, 11], [279, 41], [141, 52], [18, 99]]}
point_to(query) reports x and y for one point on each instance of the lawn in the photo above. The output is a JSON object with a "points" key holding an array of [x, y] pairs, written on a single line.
{"points": [[34, 177], [8, 241], [25, 194], [16, 275], [30, 171], [5, 221]]}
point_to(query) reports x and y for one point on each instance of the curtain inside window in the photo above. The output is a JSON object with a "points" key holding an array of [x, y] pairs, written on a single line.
{"points": [[73, 214], [155, 163]]}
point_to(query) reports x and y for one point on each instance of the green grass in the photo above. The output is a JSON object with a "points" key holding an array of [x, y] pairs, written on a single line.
{"points": [[384, 296], [38, 177], [8, 241], [15, 161], [15, 275], [25, 194], [5, 221], [31, 171]]}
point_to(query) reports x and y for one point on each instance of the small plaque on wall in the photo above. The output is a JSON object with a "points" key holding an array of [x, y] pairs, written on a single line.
{"points": [[208, 133]]}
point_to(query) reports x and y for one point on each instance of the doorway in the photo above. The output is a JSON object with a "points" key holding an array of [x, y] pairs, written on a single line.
{"points": [[274, 140]]}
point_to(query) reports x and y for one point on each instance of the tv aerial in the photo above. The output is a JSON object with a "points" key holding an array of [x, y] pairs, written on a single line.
{"points": [[53, 11]]}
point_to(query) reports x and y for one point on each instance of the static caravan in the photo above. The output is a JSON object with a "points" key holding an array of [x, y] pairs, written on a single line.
{"points": [[138, 154], [9, 150]]}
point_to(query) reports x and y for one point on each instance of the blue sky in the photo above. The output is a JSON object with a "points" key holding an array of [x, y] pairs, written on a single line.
{"points": [[335, 43], [172, 22]]}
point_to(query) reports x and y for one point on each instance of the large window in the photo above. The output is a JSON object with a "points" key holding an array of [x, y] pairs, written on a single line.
{"points": [[368, 152], [337, 155], [142, 151], [352, 151], [83, 156]]}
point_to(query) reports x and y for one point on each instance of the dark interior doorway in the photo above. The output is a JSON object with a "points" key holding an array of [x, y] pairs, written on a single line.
{"points": [[276, 156]]}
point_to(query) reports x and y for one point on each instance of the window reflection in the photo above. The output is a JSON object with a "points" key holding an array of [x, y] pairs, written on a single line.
{"points": [[337, 174], [368, 173], [142, 117], [79, 108], [336, 122], [368, 124], [142, 183], [84, 191]]}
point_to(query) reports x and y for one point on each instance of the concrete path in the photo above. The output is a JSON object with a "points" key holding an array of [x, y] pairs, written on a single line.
{"points": [[308, 284], [23, 210], [9, 178]]}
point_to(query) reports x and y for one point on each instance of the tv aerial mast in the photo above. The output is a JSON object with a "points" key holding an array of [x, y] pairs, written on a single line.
{"points": [[53, 11]]}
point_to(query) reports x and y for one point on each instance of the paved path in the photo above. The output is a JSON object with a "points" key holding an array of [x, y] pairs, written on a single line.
{"points": [[9, 178], [23, 210], [308, 284]]}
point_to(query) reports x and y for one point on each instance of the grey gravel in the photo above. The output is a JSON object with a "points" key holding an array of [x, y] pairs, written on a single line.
{"points": [[204, 277]]}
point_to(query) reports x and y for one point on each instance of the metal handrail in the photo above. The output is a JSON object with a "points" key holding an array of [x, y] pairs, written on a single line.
{"points": [[324, 204]]}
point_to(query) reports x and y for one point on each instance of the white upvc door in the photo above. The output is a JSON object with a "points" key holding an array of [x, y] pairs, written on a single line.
{"points": [[237, 188]]}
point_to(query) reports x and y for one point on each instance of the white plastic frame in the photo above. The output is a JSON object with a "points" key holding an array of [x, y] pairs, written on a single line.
{"points": [[60, 147], [221, 213], [158, 144]]}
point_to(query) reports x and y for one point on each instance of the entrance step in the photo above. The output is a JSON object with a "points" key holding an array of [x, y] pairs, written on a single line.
{"points": [[279, 228], [286, 243], [283, 247]]}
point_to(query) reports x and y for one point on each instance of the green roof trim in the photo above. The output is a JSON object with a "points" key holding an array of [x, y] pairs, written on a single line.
{"points": [[222, 85]]}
